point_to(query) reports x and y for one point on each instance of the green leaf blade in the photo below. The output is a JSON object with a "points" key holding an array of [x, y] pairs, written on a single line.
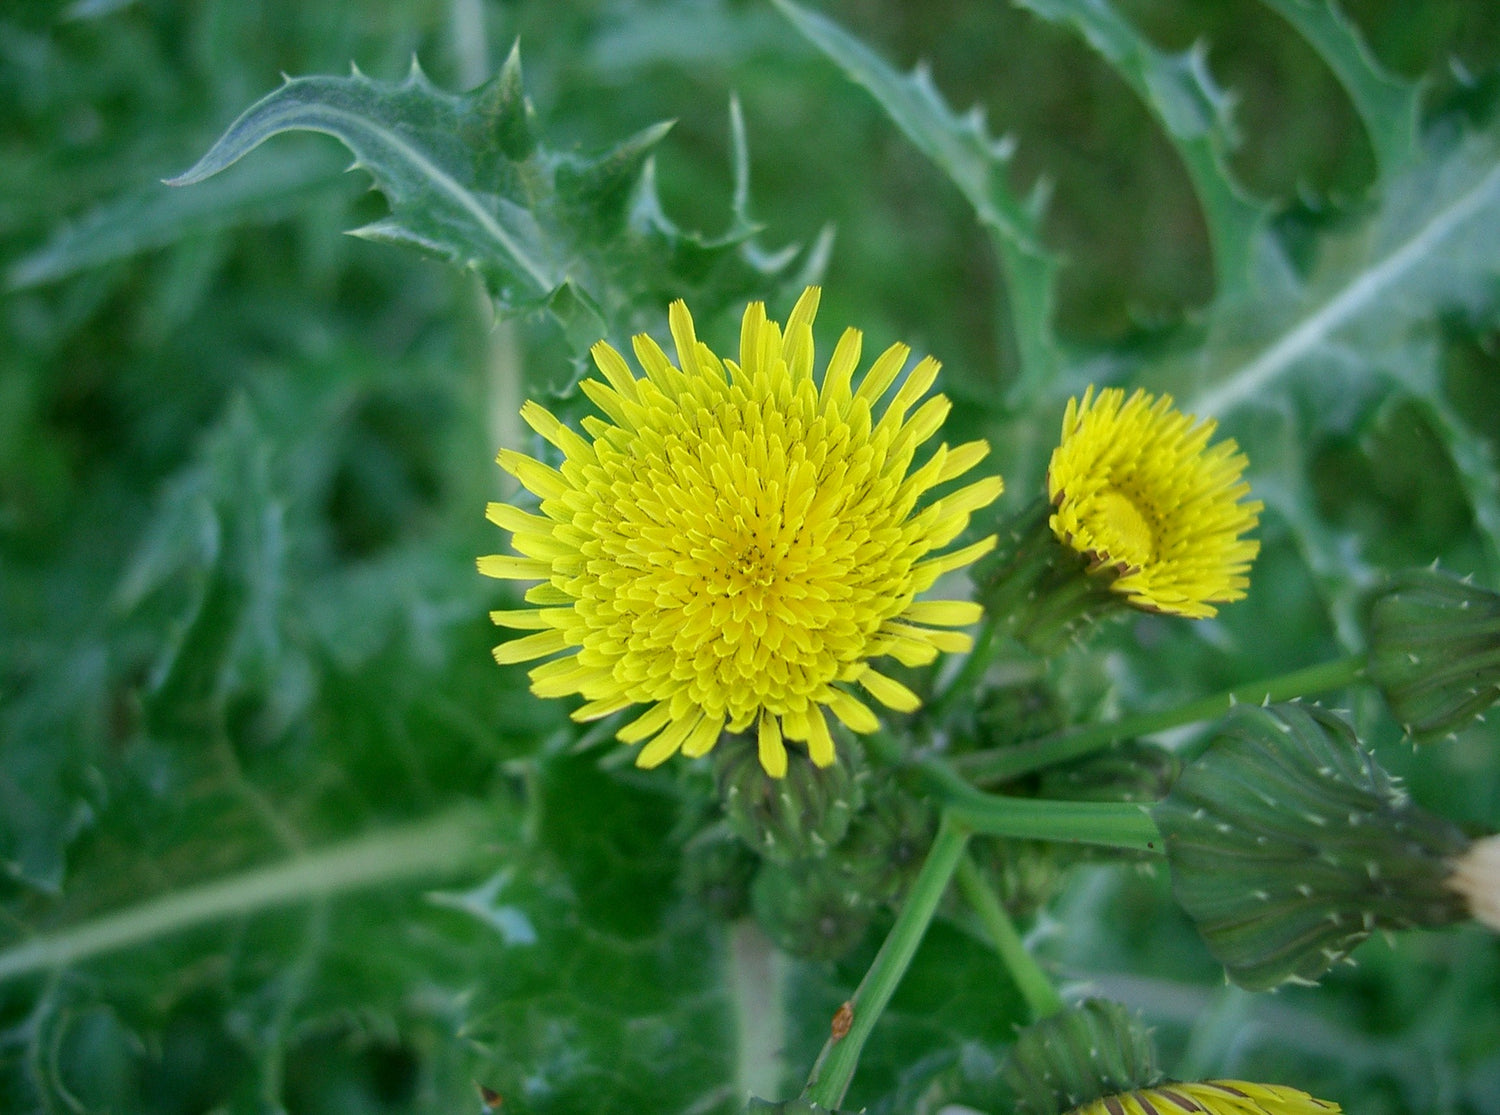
{"points": [[1424, 251], [411, 138], [1387, 106], [961, 148], [1193, 111]]}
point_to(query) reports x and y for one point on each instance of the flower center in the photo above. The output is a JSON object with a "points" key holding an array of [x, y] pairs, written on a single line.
{"points": [[1124, 534], [755, 566]]}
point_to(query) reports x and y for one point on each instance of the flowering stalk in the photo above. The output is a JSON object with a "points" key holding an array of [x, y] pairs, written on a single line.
{"points": [[1013, 762], [1034, 984], [1106, 824], [835, 1066], [967, 811]]}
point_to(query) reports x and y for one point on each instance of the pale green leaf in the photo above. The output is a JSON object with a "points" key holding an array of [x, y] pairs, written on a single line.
{"points": [[977, 164], [471, 180], [1387, 106], [1430, 246], [446, 196], [1195, 113]]}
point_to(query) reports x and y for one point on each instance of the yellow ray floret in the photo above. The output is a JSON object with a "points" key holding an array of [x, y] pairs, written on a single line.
{"points": [[1211, 1097], [1138, 491], [734, 540]]}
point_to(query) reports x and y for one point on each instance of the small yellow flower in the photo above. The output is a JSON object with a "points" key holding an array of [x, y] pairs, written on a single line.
{"points": [[1137, 490], [1214, 1097], [732, 543]]}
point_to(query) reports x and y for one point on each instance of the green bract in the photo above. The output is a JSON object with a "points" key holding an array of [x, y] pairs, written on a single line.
{"points": [[1078, 1055], [1289, 845], [1435, 651]]}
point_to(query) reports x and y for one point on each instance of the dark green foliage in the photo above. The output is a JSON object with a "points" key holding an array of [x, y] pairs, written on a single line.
{"points": [[244, 459]]}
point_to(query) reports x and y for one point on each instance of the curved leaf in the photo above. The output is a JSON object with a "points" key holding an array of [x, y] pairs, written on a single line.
{"points": [[961, 148], [448, 196], [1194, 111]]}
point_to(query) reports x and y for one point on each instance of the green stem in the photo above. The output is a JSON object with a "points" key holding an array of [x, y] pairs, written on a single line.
{"points": [[830, 1076], [1109, 824], [1036, 988], [1013, 762], [972, 669], [435, 847]]}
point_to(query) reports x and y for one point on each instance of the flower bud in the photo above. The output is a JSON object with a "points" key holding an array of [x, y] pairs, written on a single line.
{"points": [[1024, 873], [784, 819], [888, 842], [1435, 651], [1289, 845], [1077, 1056], [1096, 1059], [814, 908], [1011, 714], [716, 872]]}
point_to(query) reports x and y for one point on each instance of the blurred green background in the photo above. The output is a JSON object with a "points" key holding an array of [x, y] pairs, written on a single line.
{"points": [[243, 463]]}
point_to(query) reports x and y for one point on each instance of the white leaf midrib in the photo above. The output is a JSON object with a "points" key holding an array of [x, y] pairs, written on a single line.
{"points": [[1354, 298]]}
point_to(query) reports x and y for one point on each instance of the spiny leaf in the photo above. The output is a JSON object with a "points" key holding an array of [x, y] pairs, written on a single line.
{"points": [[1194, 111], [1386, 105], [1430, 245], [471, 180], [961, 148], [445, 196]]}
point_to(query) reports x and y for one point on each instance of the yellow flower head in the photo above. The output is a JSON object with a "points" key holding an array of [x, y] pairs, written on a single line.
{"points": [[1137, 490], [1213, 1097], [732, 542]]}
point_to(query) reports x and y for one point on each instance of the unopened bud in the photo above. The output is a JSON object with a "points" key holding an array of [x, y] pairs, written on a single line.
{"points": [[1435, 651], [1011, 714], [888, 842], [716, 872], [803, 814], [1289, 845], [1079, 1055], [812, 908], [1128, 771]]}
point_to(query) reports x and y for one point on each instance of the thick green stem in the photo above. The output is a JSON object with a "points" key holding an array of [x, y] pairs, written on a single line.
{"points": [[433, 848], [830, 1076], [1035, 987], [1013, 762], [1108, 824]]}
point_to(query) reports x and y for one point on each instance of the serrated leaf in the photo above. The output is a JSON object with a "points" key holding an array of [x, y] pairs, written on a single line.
{"points": [[420, 146], [1430, 246], [977, 164], [1195, 113], [1387, 106], [470, 180]]}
